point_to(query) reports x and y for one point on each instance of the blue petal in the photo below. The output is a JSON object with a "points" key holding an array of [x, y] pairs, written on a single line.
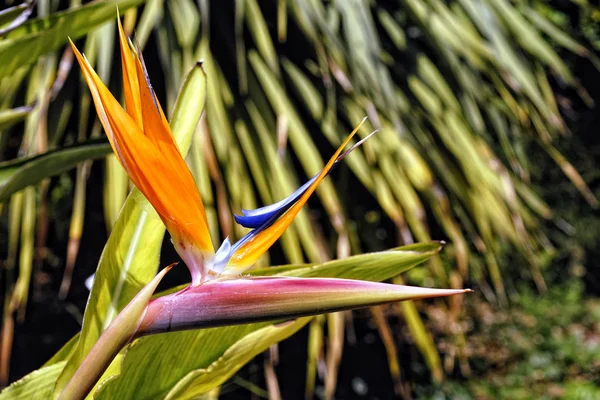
{"points": [[257, 217], [227, 249]]}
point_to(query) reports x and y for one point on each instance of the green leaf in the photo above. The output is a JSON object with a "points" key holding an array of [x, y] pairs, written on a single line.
{"points": [[25, 44], [235, 357], [10, 117], [22, 172], [181, 353], [376, 266], [36, 385], [186, 20], [64, 353], [131, 255]]}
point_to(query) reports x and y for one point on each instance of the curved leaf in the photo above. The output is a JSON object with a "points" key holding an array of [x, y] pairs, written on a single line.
{"points": [[22, 172], [36, 385], [377, 266]]}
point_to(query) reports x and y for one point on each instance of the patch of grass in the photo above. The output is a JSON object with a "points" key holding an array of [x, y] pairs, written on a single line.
{"points": [[543, 347]]}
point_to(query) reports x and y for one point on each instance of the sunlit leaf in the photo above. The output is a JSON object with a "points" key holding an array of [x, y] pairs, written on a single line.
{"points": [[36, 385]]}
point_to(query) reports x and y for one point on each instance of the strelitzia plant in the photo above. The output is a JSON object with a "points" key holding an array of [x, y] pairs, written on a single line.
{"points": [[219, 293]]}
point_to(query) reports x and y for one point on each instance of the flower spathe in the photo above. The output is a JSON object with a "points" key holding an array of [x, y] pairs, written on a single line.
{"points": [[254, 299]]}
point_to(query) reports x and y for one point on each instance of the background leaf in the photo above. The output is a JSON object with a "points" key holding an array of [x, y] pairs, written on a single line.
{"points": [[22, 172], [10, 117], [25, 44]]}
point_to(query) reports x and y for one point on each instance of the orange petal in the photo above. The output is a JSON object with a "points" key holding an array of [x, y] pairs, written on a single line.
{"points": [[152, 161], [130, 79], [257, 245], [159, 132]]}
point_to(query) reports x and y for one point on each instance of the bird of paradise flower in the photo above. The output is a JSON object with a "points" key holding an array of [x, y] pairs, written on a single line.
{"points": [[218, 294]]}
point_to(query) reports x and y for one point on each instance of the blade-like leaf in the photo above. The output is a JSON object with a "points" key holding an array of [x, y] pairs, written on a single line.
{"points": [[22, 172], [10, 117], [377, 266], [200, 381], [178, 352]]}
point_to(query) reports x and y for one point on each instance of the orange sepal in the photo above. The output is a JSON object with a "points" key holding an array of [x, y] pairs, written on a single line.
{"points": [[149, 153], [130, 79]]}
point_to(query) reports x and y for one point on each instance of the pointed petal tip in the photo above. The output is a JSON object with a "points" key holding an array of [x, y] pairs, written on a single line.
{"points": [[119, 24], [357, 144], [73, 47], [248, 249], [255, 218], [161, 274], [453, 292], [170, 266]]}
